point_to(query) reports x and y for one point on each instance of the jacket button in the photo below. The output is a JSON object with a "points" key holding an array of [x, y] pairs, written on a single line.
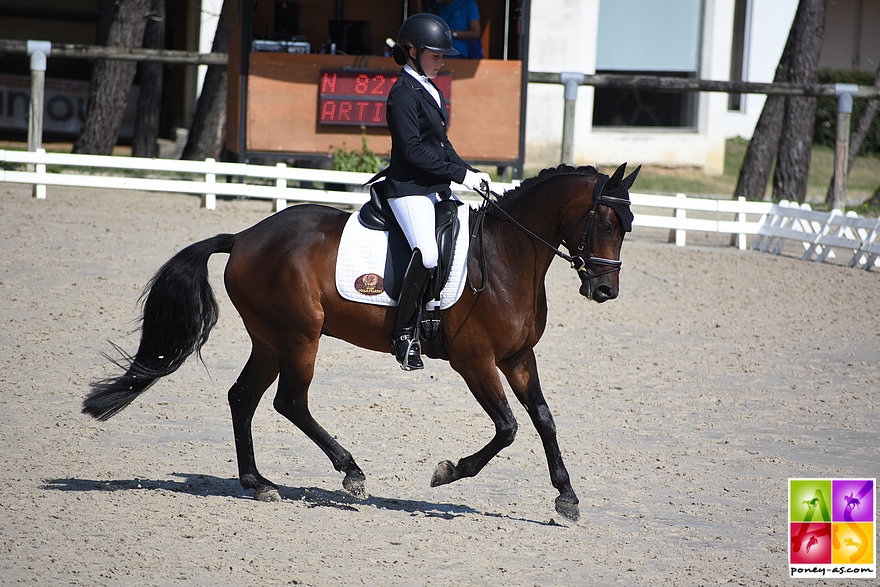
{"points": [[441, 144]]}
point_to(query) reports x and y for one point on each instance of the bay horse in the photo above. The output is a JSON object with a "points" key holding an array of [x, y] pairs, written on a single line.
{"points": [[280, 276]]}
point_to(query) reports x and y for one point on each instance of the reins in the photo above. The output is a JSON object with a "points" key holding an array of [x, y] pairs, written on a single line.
{"points": [[577, 262]]}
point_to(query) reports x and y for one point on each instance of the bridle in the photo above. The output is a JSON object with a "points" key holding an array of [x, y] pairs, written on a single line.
{"points": [[582, 261], [578, 262]]}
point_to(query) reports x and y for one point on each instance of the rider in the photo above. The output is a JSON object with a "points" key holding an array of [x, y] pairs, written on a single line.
{"points": [[423, 163]]}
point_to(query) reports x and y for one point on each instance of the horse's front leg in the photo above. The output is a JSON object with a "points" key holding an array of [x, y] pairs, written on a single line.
{"points": [[523, 378], [486, 387]]}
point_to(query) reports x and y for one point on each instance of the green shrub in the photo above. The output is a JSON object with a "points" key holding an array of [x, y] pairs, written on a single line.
{"points": [[825, 131], [364, 160]]}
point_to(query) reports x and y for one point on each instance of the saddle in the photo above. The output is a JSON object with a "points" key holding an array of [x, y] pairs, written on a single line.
{"points": [[376, 214]]}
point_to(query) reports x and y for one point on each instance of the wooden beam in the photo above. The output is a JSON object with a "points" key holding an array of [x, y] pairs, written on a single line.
{"points": [[76, 51], [680, 84]]}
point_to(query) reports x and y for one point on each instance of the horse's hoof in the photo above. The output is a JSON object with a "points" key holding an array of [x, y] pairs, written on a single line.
{"points": [[568, 509], [354, 484], [443, 474], [267, 494]]}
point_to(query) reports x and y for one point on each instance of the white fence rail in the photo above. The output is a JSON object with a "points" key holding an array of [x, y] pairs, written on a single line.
{"points": [[733, 222], [201, 177], [774, 224], [820, 233]]}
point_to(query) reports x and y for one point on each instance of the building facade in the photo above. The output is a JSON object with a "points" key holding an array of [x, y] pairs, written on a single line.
{"points": [[707, 39]]}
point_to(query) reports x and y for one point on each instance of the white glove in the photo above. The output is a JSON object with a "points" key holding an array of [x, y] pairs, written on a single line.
{"points": [[474, 180]]}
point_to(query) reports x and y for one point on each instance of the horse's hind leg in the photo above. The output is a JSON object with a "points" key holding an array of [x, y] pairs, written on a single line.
{"points": [[292, 402], [523, 379], [244, 396]]}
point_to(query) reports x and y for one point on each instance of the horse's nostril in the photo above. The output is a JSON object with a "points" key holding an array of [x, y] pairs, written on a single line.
{"points": [[603, 292]]}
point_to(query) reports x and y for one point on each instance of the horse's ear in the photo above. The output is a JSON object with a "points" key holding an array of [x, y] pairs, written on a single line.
{"points": [[615, 178], [630, 179]]}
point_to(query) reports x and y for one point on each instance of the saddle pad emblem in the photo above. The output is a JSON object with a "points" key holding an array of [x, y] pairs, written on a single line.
{"points": [[370, 284], [361, 264]]}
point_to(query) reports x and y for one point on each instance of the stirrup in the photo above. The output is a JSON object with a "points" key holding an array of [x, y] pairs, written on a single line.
{"points": [[408, 352]]}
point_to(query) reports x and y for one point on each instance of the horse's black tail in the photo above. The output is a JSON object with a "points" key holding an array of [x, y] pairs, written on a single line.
{"points": [[179, 311]]}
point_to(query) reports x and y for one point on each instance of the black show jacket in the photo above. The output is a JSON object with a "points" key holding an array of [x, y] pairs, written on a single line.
{"points": [[423, 160]]}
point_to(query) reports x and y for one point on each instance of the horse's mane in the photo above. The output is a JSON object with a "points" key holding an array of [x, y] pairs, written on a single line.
{"points": [[511, 197]]}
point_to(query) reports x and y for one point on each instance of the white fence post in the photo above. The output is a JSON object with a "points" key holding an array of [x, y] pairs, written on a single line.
{"points": [[38, 50], [571, 81], [845, 93], [209, 200], [739, 239], [679, 235], [281, 185], [39, 191]]}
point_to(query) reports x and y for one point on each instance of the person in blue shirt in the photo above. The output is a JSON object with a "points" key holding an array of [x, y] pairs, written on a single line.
{"points": [[463, 18]]}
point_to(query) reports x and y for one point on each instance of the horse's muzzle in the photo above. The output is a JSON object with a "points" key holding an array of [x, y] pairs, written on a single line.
{"points": [[596, 288]]}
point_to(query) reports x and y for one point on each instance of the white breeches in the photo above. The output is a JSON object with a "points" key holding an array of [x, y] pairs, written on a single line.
{"points": [[415, 214]]}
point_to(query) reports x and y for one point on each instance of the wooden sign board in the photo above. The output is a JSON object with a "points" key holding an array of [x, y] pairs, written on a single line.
{"points": [[283, 107]]}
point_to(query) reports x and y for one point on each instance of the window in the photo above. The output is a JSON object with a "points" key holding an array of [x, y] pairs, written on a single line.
{"points": [[646, 37]]}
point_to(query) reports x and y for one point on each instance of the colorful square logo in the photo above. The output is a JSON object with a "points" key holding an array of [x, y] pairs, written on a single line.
{"points": [[832, 528]]}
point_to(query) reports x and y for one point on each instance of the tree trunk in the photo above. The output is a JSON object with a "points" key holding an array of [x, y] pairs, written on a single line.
{"points": [[105, 11], [859, 135], [111, 80], [758, 163], [207, 134], [796, 141], [149, 106]]}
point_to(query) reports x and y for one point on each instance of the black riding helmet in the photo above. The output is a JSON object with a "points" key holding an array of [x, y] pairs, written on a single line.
{"points": [[423, 31]]}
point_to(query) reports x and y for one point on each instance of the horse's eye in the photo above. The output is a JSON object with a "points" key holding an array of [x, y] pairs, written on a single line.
{"points": [[606, 227]]}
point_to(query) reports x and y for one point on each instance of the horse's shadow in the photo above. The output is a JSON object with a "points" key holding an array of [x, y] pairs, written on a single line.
{"points": [[208, 485]]}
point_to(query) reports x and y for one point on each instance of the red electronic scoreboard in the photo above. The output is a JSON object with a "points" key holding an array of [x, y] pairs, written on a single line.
{"points": [[357, 98]]}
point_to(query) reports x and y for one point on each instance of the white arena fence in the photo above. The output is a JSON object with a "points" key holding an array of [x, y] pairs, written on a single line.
{"points": [[773, 224], [820, 233]]}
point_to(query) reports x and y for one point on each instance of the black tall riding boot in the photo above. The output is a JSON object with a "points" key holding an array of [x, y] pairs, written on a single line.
{"points": [[405, 340]]}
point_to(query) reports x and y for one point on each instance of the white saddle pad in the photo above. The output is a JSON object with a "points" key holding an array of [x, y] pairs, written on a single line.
{"points": [[360, 264]]}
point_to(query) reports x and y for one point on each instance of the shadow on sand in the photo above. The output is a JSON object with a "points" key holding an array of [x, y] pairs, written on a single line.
{"points": [[207, 485]]}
